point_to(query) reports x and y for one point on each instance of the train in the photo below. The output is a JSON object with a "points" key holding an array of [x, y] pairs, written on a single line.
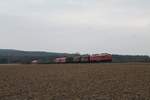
{"points": [[94, 58]]}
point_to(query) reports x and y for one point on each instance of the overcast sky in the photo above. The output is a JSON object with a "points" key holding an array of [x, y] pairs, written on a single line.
{"points": [[86, 26]]}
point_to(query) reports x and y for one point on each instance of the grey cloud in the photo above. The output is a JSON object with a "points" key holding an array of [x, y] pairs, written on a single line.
{"points": [[115, 26]]}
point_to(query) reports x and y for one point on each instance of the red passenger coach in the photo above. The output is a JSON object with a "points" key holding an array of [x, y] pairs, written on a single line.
{"points": [[60, 60], [104, 57]]}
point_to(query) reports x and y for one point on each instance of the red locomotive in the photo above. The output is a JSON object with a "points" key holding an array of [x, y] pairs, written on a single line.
{"points": [[104, 57]]}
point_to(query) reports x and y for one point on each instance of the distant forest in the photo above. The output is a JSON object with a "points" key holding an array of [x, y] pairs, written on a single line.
{"points": [[15, 56]]}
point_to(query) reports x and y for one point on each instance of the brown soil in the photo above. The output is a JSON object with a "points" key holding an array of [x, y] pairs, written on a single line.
{"points": [[75, 82]]}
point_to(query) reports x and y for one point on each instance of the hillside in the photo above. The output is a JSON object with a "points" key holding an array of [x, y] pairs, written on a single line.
{"points": [[17, 56], [9, 52]]}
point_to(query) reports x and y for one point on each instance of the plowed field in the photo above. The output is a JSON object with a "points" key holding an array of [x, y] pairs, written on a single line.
{"points": [[75, 82]]}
